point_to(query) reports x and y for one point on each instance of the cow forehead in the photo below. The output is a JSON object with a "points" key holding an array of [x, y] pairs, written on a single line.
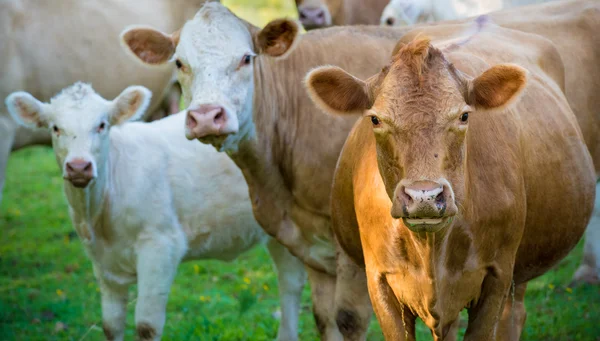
{"points": [[78, 107], [213, 33]]}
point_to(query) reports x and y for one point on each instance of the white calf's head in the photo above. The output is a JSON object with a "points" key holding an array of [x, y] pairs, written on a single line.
{"points": [[404, 12], [214, 54], [79, 121]]}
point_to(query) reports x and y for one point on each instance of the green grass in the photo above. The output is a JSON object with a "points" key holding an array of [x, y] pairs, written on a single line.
{"points": [[48, 292]]}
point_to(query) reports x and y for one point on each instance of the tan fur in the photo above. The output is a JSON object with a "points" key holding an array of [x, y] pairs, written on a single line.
{"points": [[503, 170]]}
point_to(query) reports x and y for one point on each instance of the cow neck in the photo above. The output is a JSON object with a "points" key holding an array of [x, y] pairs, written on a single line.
{"points": [[430, 249], [88, 204], [265, 154]]}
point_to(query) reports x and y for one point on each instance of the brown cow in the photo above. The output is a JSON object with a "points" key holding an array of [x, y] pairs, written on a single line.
{"points": [[445, 185], [323, 13]]}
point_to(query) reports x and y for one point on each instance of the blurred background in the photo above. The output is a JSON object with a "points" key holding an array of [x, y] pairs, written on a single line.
{"points": [[48, 292]]}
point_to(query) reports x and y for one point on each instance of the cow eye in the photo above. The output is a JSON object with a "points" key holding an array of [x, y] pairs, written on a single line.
{"points": [[375, 120], [178, 63], [464, 117], [101, 127], [56, 130], [246, 60]]}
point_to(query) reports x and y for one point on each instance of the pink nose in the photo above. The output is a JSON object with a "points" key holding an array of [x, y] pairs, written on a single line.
{"points": [[80, 172], [312, 17], [206, 120], [423, 200]]}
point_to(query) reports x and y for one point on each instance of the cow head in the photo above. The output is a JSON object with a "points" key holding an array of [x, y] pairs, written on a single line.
{"points": [[419, 107], [215, 55], [79, 121], [403, 12], [318, 13]]}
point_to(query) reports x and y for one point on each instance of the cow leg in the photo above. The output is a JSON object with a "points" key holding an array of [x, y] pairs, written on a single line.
{"points": [[396, 321], [484, 316], [352, 303], [514, 315], [7, 135], [589, 270], [291, 277], [322, 287], [156, 268], [114, 310]]}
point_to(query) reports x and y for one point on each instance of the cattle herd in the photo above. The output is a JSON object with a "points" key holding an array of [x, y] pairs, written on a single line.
{"points": [[410, 171]]}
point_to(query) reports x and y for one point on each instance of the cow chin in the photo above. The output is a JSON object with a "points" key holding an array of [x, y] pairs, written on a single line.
{"points": [[428, 225]]}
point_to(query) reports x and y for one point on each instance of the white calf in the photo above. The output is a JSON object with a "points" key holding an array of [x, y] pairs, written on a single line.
{"points": [[143, 198]]}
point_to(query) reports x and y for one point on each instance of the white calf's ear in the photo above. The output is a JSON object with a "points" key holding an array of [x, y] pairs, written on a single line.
{"points": [[27, 110], [130, 105]]}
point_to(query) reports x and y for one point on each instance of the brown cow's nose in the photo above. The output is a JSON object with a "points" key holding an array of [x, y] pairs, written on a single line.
{"points": [[312, 16], [80, 172], [206, 120], [423, 200]]}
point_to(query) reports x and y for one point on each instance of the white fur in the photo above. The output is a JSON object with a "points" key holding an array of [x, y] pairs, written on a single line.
{"points": [[156, 199], [409, 12]]}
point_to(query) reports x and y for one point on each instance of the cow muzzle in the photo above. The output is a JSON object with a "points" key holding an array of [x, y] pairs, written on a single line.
{"points": [[313, 17], [79, 172], [207, 120], [424, 206]]}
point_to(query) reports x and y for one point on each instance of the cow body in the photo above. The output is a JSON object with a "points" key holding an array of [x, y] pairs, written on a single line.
{"points": [[48, 46], [504, 179], [142, 199], [324, 13]]}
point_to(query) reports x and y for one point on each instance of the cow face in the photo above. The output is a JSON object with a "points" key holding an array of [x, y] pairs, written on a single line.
{"points": [[317, 13], [403, 12], [79, 121], [419, 108], [215, 56]]}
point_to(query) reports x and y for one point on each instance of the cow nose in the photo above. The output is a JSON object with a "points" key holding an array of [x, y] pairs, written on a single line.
{"points": [[312, 16], [423, 200], [206, 120], [80, 172]]}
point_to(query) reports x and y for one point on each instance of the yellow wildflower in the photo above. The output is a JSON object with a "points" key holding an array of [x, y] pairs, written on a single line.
{"points": [[266, 287], [247, 280], [60, 292], [551, 286], [196, 269], [569, 290]]}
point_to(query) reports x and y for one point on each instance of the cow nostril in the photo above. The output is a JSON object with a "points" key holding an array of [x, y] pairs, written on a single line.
{"points": [[219, 115], [390, 21], [191, 121], [320, 15], [69, 168], [302, 15], [88, 167], [439, 199]]}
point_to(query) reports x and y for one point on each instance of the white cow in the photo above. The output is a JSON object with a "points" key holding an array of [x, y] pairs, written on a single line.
{"points": [[410, 12], [48, 45], [143, 198]]}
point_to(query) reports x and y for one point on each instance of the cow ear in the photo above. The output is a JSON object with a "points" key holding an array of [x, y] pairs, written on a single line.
{"points": [[336, 91], [149, 45], [27, 110], [278, 38], [498, 87], [130, 105]]}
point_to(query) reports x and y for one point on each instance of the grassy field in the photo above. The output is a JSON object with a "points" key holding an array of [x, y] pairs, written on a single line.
{"points": [[48, 292]]}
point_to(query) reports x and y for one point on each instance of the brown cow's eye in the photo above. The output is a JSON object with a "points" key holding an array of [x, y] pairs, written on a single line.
{"points": [[178, 63], [464, 117], [375, 120]]}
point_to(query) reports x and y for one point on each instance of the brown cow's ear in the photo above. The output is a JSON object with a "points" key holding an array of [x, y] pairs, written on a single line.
{"points": [[498, 87], [149, 45], [278, 38], [336, 91]]}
